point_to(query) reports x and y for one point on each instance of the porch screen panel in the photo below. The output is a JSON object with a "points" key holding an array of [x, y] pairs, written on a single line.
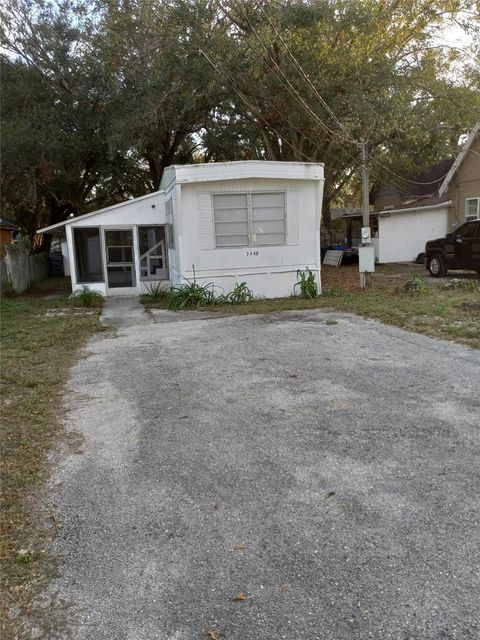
{"points": [[119, 246], [88, 255], [231, 219], [152, 253], [268, 218]]}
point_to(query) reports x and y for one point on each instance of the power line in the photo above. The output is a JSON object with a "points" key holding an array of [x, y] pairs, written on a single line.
{"points": [[252, 107], [285, 118], [306, 76], [239, 92], [323, 102], [255, 109], [293, 126], [397, 175], [259, 55], [292, 90]]}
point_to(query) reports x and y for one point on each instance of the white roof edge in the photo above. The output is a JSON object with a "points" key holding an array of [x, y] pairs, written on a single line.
{"points": [[439, 205], [94, 213], [230, 162], [459, 159], [242, 169], [53, 226]]}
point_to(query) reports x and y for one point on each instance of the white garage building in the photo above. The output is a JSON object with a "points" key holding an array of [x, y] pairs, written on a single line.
{"points": [[251, 221], [402, 233]]}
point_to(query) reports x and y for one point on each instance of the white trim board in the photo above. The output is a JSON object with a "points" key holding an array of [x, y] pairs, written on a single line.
{"points": [[459, 159], [386, 212], [242, 169]]}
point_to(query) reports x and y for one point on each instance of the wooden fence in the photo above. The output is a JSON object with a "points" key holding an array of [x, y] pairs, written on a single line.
{"points": [[20, 270]]}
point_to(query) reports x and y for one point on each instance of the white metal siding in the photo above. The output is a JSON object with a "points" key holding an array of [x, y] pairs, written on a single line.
{"points": [[205, 221], [402, 236], [146, 211], [269, 270], [293, 206]]}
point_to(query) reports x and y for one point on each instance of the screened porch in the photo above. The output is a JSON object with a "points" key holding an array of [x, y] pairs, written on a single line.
{"points": [[121, 258]]}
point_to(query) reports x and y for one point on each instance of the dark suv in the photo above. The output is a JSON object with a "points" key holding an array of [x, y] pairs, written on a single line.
{"points": [[458, 250]]}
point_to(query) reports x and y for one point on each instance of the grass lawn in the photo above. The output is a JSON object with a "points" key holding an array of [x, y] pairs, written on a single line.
{"points": [[449, 313], [41, 334]]}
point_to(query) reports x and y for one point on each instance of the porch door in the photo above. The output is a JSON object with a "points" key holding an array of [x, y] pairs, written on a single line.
{"points": [[120, 258], [152, 251]]}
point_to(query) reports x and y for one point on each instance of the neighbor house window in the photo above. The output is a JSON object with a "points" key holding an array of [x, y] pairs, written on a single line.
{"points": [[472, 206], [249, 219], [88, 255]]}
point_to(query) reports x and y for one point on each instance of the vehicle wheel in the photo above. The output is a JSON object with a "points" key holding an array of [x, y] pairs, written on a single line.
{"points": [[436, 266]]}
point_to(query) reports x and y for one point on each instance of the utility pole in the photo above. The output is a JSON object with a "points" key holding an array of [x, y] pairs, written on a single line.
{"points": [[365, 186], [366, 253]]}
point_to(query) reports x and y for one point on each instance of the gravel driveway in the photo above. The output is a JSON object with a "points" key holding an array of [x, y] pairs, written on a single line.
{"points": [[324, 466]]}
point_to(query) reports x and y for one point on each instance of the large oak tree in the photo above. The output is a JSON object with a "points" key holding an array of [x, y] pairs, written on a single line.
{"points": [[99, 97]]}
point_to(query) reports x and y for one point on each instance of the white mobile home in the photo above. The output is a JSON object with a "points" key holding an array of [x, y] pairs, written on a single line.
{"points": [[251, 221]]}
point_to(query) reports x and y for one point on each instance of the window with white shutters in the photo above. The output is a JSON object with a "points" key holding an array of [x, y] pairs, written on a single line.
{"points": [[249, 219], [231, 220]]}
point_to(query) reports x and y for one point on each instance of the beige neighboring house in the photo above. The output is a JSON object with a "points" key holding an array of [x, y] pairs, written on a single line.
{"points": [[435, 202], [461, 186]]}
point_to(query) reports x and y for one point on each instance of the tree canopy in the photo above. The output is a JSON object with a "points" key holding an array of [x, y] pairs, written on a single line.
{"points": [[99, 97]]}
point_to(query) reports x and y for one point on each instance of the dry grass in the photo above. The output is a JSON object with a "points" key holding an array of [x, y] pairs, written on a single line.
{"points": [[37, 352], [386, 276], [451, 314]]}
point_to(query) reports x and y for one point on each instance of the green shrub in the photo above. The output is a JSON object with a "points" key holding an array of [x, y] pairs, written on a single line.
{"points": [[155, 292], [240, 294], [306, 282], [416, 286], [466, 285], [191, 294], [86, 297]]}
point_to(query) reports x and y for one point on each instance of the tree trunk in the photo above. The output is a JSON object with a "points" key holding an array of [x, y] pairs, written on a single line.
{"points": [[156, 170]]}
